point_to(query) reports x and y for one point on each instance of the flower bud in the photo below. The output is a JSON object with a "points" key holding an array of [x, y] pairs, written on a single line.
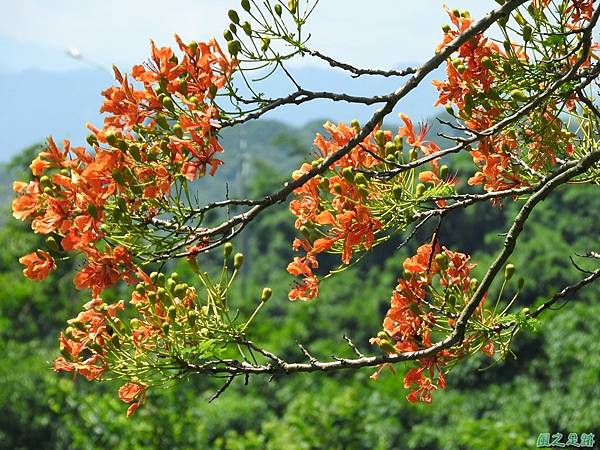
{"points": [[247, 28], [116, 342], [521, 283], [456, 12], [238, 260], [509, 271], [111, 139], [348, 174], [380, 138], [192, 317], [473, 284], [172, 312], [278, 9], [389, 148], [412, 154], [180, 290], [265, 43], [441, 260], [527, 32], [227, 35], [397, 192], [446, 28], [134, 324], [91, 139], [234, 47], [360, 179], [193, 46], [518, 95], [293, 6], [177, 130], [165, 329], [52, 244], [227, 249], [266, 294], [233, 16], [407, 275], [167, 102], [525, 311], [443, 172], [337, 188], [420, 189], [246, 5]]}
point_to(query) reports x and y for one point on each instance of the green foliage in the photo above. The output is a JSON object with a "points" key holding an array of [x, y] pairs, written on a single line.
{"points": [[552, 385]]}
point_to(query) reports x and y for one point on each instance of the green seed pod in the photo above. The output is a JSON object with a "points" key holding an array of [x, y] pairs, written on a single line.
{"points": [[278, 9], [509, 271], [266, 294], [177, 130], [247, 28], [233, 16], [238, 260], [507, 68], [420, 189], [227, 249], [228, 35], [246, 5]]}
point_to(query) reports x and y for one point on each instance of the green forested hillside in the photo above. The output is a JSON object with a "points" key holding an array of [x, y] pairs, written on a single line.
{"points": [[551, 384]]}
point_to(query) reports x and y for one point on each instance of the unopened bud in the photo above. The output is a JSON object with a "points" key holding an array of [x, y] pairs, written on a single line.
{"points": [[233, 16], [278, 9], [266, 294], [420, 189], [509, 271], [177, 130], [246, 5], [227, 249], [238, 260], [380, 138]]}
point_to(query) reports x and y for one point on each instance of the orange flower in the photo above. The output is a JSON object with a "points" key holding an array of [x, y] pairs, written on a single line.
{"points": [[133, 394], [38, 265]]}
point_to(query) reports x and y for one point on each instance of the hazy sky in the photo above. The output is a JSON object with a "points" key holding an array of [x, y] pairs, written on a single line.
{"points": [[382, 33]]}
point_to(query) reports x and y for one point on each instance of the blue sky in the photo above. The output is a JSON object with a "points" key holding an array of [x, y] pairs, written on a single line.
{"points": [[382, 33]]}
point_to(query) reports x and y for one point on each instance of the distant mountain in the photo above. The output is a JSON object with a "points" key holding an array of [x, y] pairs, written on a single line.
{"points": [[40, 103]]}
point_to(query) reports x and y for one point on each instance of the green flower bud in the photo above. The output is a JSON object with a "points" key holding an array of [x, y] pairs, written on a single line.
{"points": [[293, 6], [444, 172], [177, 130], [233, 28], [246, 5], [509, 271], [247, 28], [165, 329], [234, 47], [172, 312], [193, 46], [337, 188], [446, 28], [520, 19], [181, 290], [266, 294], [116, 342], [92, 210], [412, 154], [69, 332], [278, 9], [348, 174], [228, 35], [140, 288], [238, 260], [160, 279], [441, 260], [466, 14], [154, 277], [518, 95], [407, 275], [167, 102], [456, 12], [134, 324], [171, 283], [360, 179], [521, 283], [265, 42], [473, 284], [233, 16], [525, 311], [397, 192], [192, 317], [486, 62], [52, 244], [527, 32], [135, 153], [420, 189], [461, 68], [91, 139], [355, 124], [380, 138], [389, 148], [227, 249]]}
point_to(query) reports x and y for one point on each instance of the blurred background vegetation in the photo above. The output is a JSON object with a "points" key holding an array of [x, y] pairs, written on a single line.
{"points": [[550, 385]]}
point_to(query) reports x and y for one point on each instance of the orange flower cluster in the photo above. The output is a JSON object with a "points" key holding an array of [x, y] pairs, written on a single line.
{"points": [[151, 136], [417, 308], [332, 210], [84, 345]]}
